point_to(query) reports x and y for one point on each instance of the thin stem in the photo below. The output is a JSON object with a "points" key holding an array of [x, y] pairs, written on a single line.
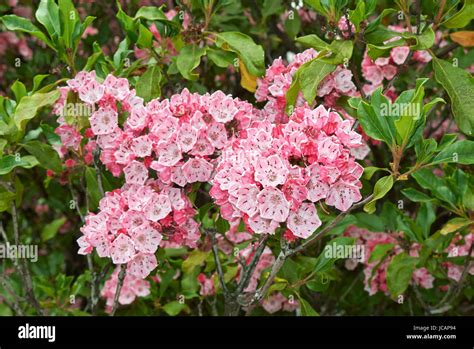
{"points": [[16, 299], [251, 267], [121, 278], [25, 274], [220, 272], [287, 252]]}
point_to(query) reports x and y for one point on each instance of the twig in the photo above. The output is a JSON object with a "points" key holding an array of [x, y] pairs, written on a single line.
{"points": [[98, 174], [25, 274], [453, 291], [220, 272], [287, 252], [251, 267], [76, 202], [16, 299], [121, 277]]}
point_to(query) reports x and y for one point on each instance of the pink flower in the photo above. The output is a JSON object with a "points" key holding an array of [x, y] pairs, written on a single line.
{"points": [[135, 173], [197, 170], [399, 54], [304, 221], [273, 204], [271, 171], [91, 92], [104, 121], [122, 249]]}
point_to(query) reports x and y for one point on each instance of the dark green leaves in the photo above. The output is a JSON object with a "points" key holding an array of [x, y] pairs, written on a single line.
{"points": [[21, 24], [250, 53], [376, 125], [334, 250], [148, 85], [50, 230], [9, 162], [460, 87], [29, 106], [461, 152], [46, 155], [306, 80], [189, 59], [382, 187], [463, 17], [48, 15], [399, 273]]}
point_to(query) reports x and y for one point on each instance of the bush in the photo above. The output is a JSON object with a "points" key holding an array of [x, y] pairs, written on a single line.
{"points": [[222, 157]]}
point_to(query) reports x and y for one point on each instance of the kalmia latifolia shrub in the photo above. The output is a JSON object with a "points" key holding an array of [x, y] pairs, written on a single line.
{"points": [[237, 158]]}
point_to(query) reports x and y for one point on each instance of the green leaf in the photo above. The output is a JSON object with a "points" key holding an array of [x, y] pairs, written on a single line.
{"points": [[30, 105], [340, 51], [379, 252], [425, 218], [148, 85], [69, 18], [375, 125], [195, 259], [461, 152], [189, 59], [416, 196], [48, 15], [455, 224], [423, 41], [9, 162], [145, 37], [334, 250], [250, 53], [50, 135], [357, 15], [19, 90], [50, 230], [221, 58], [306, 308], [463, 17], [271, 7], [37, 80], [222, 225], [427, 180], [408, 107], [174, 308], [460, 87], [150, 13], [381, 188], [293, 24], [92, 188], [306, 79], [399, 273], [369, 171], [46, 155], [21, 24], [313, 41]]}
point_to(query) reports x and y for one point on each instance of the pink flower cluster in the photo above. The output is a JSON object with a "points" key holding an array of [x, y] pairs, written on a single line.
{"points": [[387, 67], [376, 275], [132, 222], [177, 137], [273, 174], [132, 288], [273, 87]]}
